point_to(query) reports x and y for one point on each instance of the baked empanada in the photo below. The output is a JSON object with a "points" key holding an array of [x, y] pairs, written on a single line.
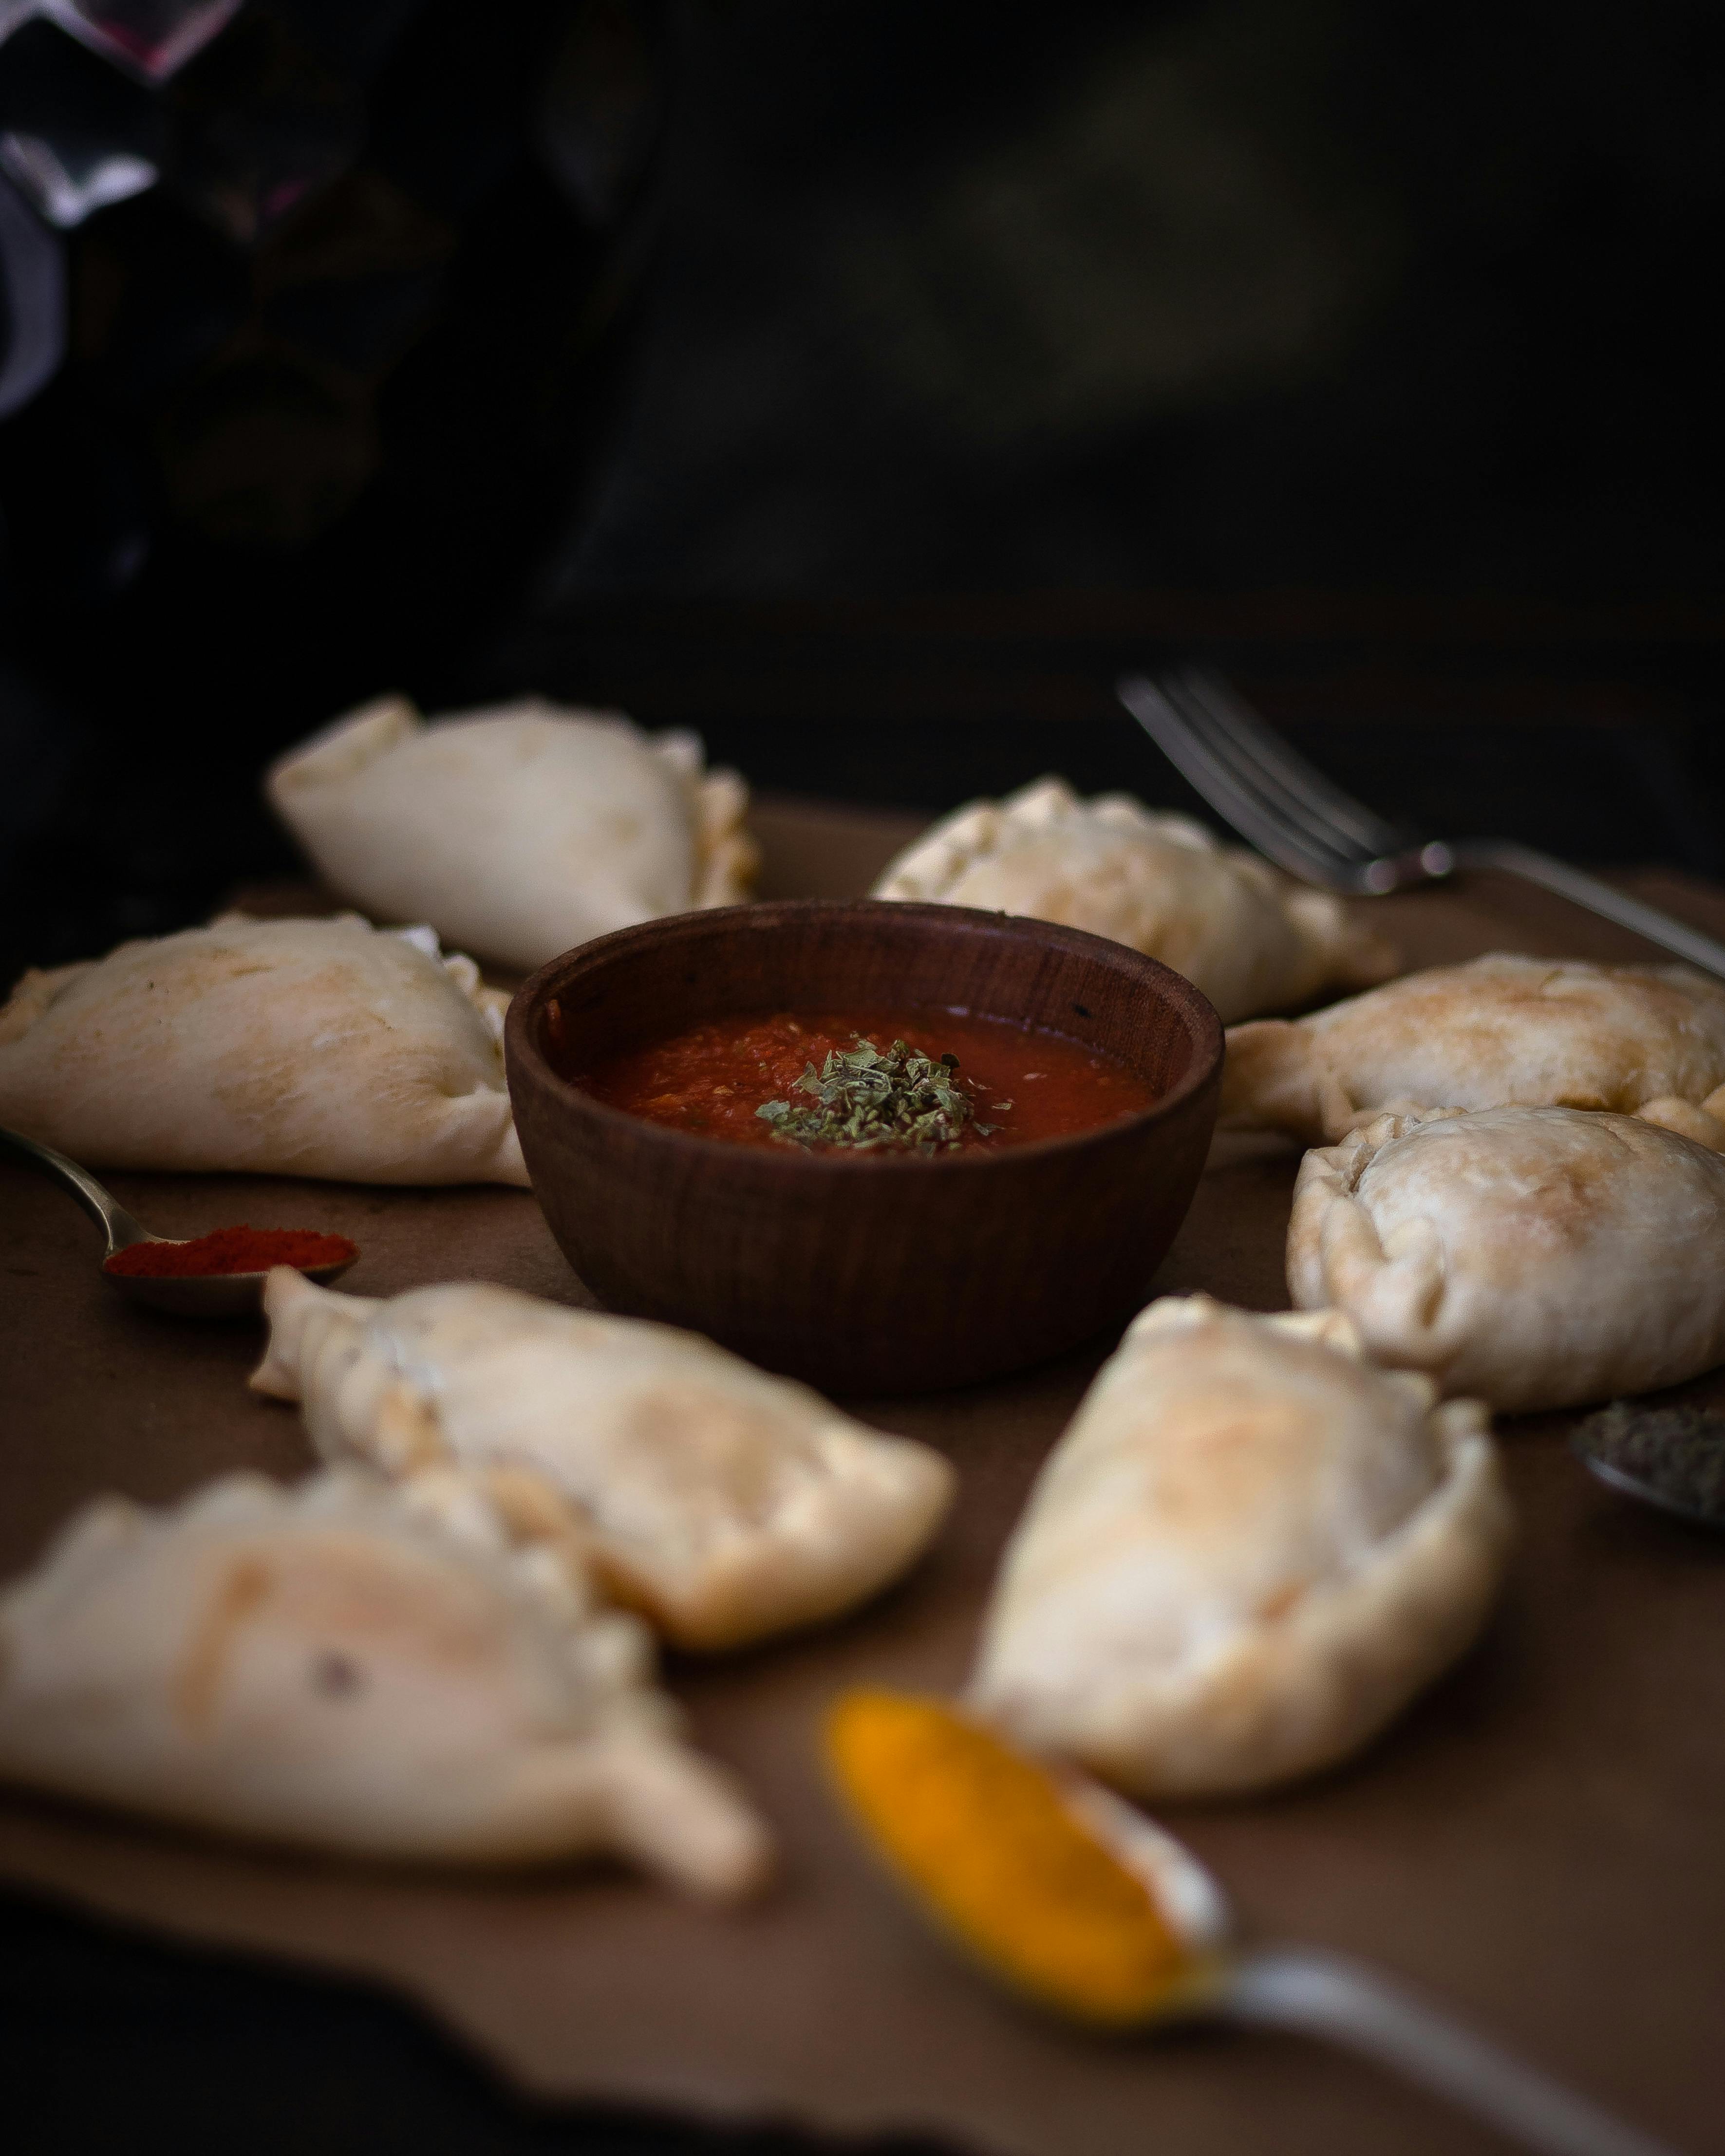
{"points": [[1247, 936], [347, 1667], [324, 1047], [517, 832], [1645, 1040], [1248, 1552], [1534, 1257], [722, 1503]]}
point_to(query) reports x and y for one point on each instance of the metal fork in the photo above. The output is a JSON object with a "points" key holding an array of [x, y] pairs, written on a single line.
{"points": [[1310, 827]]}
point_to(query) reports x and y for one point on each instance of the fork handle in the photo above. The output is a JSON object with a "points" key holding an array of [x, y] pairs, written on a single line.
{"points": [[1674, 936], [1327, 1994]]}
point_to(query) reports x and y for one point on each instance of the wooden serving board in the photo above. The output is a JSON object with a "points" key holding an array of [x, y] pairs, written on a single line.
{"points": [[1540, 1842]]}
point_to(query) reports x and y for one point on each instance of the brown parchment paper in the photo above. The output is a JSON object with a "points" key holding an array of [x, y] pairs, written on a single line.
{"points": [[1540, 1842]]}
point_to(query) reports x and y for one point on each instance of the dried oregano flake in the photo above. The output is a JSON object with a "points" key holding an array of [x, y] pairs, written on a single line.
{"points": [[864, 1098]]}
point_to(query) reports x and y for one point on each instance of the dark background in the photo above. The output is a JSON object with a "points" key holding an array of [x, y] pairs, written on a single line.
{"points": [[863, 385]]}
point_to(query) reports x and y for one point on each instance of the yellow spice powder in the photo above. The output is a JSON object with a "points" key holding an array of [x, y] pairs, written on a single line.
{"points": [[985, 1838]]}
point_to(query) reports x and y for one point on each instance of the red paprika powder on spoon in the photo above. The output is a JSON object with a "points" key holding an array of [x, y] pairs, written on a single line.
{"points": [[232, 1251]]}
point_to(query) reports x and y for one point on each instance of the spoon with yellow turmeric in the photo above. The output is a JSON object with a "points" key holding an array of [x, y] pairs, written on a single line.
{"points": [[1074, 1899]]}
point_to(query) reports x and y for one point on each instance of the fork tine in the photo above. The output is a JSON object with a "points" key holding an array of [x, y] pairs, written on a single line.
{"points": [[1305, 824], [1262, 821], [1320, 805]]}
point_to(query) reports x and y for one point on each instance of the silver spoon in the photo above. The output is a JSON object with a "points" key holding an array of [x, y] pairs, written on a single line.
{"points": [[207, 1295], [1332, 1996], [1620, 1444], [1308, 1988]]}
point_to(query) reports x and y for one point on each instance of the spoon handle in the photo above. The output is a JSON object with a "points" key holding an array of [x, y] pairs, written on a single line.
{"points": [[108, 1215], [1327, 1995]]}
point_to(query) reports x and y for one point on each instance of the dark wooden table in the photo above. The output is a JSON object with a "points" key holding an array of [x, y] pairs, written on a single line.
{"points": [[1594, 729], [1536, 1841]]}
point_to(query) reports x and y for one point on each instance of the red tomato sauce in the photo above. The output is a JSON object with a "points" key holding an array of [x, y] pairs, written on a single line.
{"points": [[1025, 1083]]}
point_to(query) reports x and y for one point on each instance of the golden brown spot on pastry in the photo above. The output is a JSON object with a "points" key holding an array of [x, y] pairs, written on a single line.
{"points": [[626, 1588], [200, 968], [408, 1435], [1281, 1599], [1569, 1194], [1583, 1096], [389, 1604], [675, 1427], [257, 1095], [200, 1672], [532, 1507]]}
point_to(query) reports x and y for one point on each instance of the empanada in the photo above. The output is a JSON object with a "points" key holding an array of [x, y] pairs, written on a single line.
{"points": [[722, 1503], [347, 1667], [1247, 1553], [1535, 1257], [517, 832], [1645, 1040], [324, 1047], [1248, 937]]}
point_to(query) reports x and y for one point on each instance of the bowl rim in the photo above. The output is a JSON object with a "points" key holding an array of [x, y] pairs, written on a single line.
{"points": [[1204, 1024]]}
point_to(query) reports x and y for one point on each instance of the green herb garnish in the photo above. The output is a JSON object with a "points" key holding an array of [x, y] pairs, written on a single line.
{"points": [[863, 1099]]}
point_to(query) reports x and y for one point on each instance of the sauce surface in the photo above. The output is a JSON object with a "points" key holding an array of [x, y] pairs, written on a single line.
{"points": [[1023, 1083]]}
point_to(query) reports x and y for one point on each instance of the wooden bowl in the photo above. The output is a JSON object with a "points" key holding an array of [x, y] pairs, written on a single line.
{"points": [[869, 1274]]}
